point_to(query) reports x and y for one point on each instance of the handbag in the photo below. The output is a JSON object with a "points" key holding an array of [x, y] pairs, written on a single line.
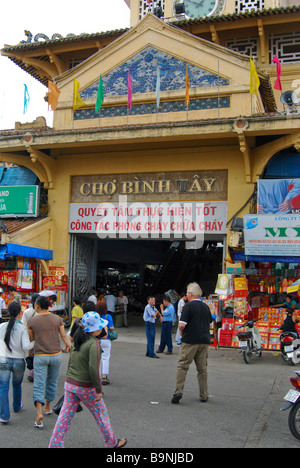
{"points": [[29, 362], [56, 409], [112, 335]]}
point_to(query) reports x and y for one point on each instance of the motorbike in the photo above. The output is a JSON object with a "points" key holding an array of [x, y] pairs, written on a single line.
{"points": [[250, 341], [293, 403], [290, 348]]}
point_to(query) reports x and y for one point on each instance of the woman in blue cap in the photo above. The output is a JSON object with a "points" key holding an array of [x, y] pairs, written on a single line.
{"points": [[83, 383]]}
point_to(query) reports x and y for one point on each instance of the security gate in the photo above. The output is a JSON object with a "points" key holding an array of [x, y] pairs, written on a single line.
{"points": [[82, 267]]}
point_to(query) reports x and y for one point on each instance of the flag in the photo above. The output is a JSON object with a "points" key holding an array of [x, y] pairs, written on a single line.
{"points": [[277, 84], [77, 101], [254, 80], [100, 96], [26, 99], [158, 88], [187, 89], [53, 95], [129, 90]]}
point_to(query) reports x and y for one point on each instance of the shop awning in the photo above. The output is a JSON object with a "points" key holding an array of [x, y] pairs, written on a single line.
{"points": [[25, 251], [241, 257]]}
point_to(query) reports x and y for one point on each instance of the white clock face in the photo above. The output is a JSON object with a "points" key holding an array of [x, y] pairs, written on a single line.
{"points": [[199, 8]]}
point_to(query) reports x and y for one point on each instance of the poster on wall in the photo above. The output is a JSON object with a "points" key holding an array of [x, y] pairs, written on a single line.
{"points": [[25, 279], [273, 235], [277, 196]]}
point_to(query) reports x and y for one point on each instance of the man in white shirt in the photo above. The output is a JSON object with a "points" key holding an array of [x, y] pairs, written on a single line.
{"points": [[111, 302], [2, 304], [93, 297], [123, 300]]}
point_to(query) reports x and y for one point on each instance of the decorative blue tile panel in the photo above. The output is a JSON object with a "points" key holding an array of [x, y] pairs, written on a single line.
{"points": [[143, 69], [150, 108]]}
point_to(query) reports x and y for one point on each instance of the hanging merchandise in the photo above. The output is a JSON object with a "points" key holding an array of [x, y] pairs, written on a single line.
{"points": [[240, 287], [240, 307], [223, 286]]}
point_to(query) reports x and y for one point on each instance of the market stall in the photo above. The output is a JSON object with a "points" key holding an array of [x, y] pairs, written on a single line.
{"points": [[246, 297], [21, 268]]}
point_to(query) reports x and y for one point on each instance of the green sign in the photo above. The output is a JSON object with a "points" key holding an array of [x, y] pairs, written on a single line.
{"points": [[19, 201]]}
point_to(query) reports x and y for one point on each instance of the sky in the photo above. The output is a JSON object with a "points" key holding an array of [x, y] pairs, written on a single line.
{"points": [[57, 16]]}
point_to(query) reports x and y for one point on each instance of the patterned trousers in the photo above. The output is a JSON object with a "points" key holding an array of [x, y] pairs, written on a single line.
{"points": [[73, 396]]}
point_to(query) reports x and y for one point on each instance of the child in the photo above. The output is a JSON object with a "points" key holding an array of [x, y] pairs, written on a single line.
{"points": [[83, 383]]}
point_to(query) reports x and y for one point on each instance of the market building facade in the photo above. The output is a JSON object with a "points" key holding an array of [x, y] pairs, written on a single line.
{"points": [[150, 184]]}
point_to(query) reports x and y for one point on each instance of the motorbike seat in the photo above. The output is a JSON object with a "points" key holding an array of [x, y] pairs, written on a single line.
{"points": [[247, 334]]}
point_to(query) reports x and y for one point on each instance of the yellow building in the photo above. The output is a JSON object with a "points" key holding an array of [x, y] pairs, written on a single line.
{"points": [[200, 149]]}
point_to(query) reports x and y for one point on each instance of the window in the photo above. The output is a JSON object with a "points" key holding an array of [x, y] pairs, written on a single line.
{"points": [[245, 46], [242, 5], [286, 47], [146, 7]]}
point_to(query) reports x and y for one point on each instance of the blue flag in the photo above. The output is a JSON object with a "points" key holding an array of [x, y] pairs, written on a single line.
{"points": [[26, 98]]}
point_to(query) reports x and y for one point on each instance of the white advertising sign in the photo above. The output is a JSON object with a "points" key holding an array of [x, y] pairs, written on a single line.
{"points": [[180, 220], [275, 235]]}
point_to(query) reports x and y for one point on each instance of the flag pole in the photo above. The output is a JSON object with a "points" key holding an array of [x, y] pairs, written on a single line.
{"points": [[218, 89]]}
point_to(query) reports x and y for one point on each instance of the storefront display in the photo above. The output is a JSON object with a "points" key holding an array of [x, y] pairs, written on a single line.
{"points": [[25, 275], [254, 296]]}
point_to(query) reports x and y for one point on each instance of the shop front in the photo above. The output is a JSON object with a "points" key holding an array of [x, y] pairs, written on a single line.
{"points": [[148, 233], [21, 268], [271, 263]]}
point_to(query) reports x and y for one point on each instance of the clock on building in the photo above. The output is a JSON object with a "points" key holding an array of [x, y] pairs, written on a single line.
{"points": [[199, 8]]}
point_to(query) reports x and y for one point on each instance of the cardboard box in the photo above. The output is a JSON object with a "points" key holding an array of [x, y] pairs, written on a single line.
{"points": [[274, 341], [263, 326], [264, 340]]}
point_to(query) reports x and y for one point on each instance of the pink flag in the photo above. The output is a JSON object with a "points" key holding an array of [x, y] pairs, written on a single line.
{"points": [[277, 84], [129, 90]]}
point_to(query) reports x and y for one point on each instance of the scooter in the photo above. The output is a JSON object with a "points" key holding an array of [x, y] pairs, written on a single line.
{"points": [[293, 403], [290, 347], [250, 341]]}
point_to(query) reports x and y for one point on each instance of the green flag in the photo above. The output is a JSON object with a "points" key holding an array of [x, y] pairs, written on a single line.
{"points": [[100, 96]]}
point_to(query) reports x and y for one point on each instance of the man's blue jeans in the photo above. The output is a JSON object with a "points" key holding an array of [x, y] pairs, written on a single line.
{"points": [[150, 334], [16, 367], [46, 373]]}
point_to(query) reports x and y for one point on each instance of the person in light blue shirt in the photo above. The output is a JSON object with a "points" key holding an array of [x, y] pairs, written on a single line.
{"points": [[150, 314], [111, 302], [168, 315]]}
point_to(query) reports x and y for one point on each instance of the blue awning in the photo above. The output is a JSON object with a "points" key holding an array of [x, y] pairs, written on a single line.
{"points": [[241, 257], [25, 251]]}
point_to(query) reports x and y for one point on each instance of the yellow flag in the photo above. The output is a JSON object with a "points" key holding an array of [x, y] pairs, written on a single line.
{"points": [[254, 80], [187, 89], [53, 95], [77, 101]]}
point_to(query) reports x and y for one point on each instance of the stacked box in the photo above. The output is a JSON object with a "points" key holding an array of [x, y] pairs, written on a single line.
{"points": [[274, 340], [235, 343], [264, 340], [225, 337]]}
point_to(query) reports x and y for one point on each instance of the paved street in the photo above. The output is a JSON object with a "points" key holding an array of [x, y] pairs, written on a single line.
{"points": [[243, 409]]}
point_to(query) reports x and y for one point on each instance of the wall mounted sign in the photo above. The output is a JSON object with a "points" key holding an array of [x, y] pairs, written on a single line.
{"points": [[166, 186], [178, 220], [19, 201], [273, 235]]}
